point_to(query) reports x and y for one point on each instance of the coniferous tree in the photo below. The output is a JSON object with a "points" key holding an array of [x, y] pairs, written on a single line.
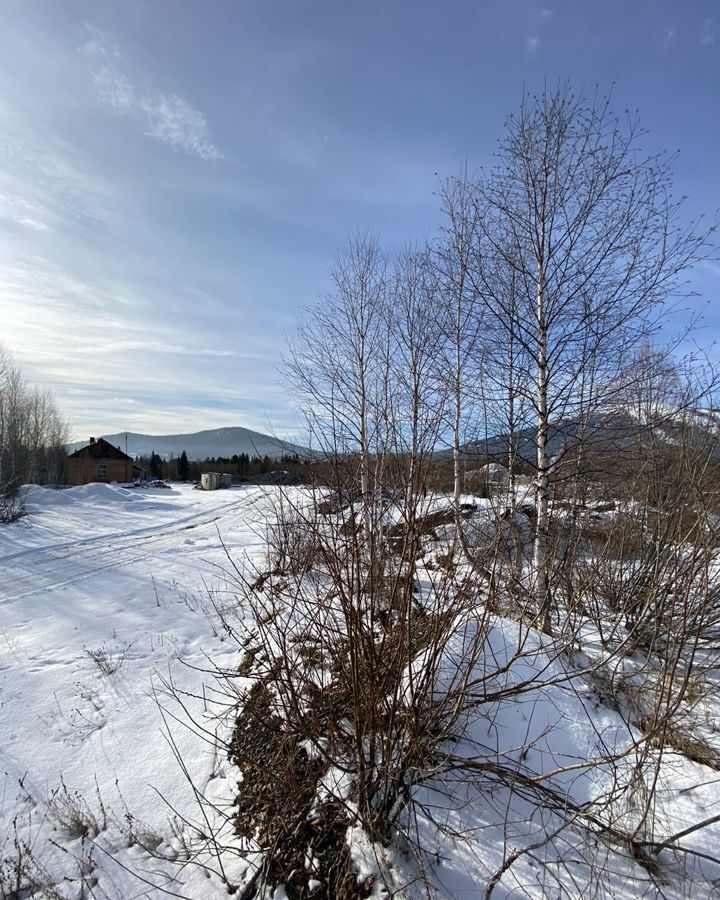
{"points": [[183, 467], [155, 465]]}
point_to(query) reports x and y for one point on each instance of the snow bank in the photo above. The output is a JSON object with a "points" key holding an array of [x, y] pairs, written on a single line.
{"points": [[36, 497], [101, 493]]}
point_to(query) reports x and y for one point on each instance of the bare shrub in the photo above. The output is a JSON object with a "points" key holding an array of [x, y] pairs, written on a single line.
{"points": [[292, 544], [342, 718], [71, 815], [110, 657], [23, 876]]}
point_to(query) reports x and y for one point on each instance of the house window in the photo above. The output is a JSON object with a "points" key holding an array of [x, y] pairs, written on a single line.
{"points": [[100, 471]]}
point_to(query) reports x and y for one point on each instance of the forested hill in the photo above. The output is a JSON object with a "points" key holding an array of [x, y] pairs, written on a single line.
{"points": [[215, 442], [609, 432]]}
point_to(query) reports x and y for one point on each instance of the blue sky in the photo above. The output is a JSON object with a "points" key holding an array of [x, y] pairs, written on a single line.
{"points": [[175, 176]]}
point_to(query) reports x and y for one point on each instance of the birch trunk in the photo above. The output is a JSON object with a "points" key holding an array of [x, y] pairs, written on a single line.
{"points": [[540, 585]]}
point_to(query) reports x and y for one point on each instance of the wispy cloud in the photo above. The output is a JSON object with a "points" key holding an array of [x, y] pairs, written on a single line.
{"points": [[545, 13], [154, 346], [117, 337], [44, 183], [670, 39], [707, 33], [17, 209], [167, 117], [532, 44]]}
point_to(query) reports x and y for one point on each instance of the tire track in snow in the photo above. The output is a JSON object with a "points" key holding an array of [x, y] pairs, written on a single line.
{"points": [[110, 537], [36, 570]]}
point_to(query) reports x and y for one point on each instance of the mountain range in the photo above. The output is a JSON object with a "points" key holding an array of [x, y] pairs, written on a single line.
{"points": [[609, 431], [201, 444]]}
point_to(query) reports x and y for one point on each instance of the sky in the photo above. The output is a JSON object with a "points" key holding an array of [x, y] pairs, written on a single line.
{"points": [[176, 177]]}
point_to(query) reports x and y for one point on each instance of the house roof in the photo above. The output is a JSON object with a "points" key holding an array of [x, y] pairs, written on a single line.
{"points": [[100, 449]]}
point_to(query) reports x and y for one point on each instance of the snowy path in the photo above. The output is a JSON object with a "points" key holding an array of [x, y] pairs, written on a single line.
{"points": [[122, 575], [32, 571]]}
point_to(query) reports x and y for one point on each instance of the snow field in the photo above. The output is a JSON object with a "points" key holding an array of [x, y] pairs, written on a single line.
{"points": [[107, 630], [105, 598]]}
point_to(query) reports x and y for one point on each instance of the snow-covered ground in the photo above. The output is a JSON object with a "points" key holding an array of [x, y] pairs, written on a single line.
{"points": [[108, 596], [105, 596]]}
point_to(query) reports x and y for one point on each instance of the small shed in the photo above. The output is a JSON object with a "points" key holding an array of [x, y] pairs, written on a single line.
{"points": [[212, 481], [100, 461]]}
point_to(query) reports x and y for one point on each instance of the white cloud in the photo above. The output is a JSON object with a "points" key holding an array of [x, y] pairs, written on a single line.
{"points": [[177, 123], [670, 39], [17, 209], [532, 44], [545, 13], [168, 118], [45, 184], [91, 339], [122, 345], [114, 89], [707, 33]]}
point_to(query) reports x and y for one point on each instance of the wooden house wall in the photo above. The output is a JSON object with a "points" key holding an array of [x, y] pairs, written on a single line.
{"points": [[86, 470]]}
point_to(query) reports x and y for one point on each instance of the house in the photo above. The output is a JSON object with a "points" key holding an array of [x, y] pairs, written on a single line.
{"points": [[487, 480], [100, 461]]}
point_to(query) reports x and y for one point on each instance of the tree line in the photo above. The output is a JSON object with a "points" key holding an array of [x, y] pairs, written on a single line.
{"points": [[33, 434], [242, 465]]}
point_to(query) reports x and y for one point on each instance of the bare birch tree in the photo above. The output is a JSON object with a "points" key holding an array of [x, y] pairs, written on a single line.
{"points": [[32, 436], [455, 253], [586, 222], [418, 398], [335, 362]]}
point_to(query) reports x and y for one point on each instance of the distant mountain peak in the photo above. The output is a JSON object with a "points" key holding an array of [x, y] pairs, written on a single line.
{"points": [[224, 442]]}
